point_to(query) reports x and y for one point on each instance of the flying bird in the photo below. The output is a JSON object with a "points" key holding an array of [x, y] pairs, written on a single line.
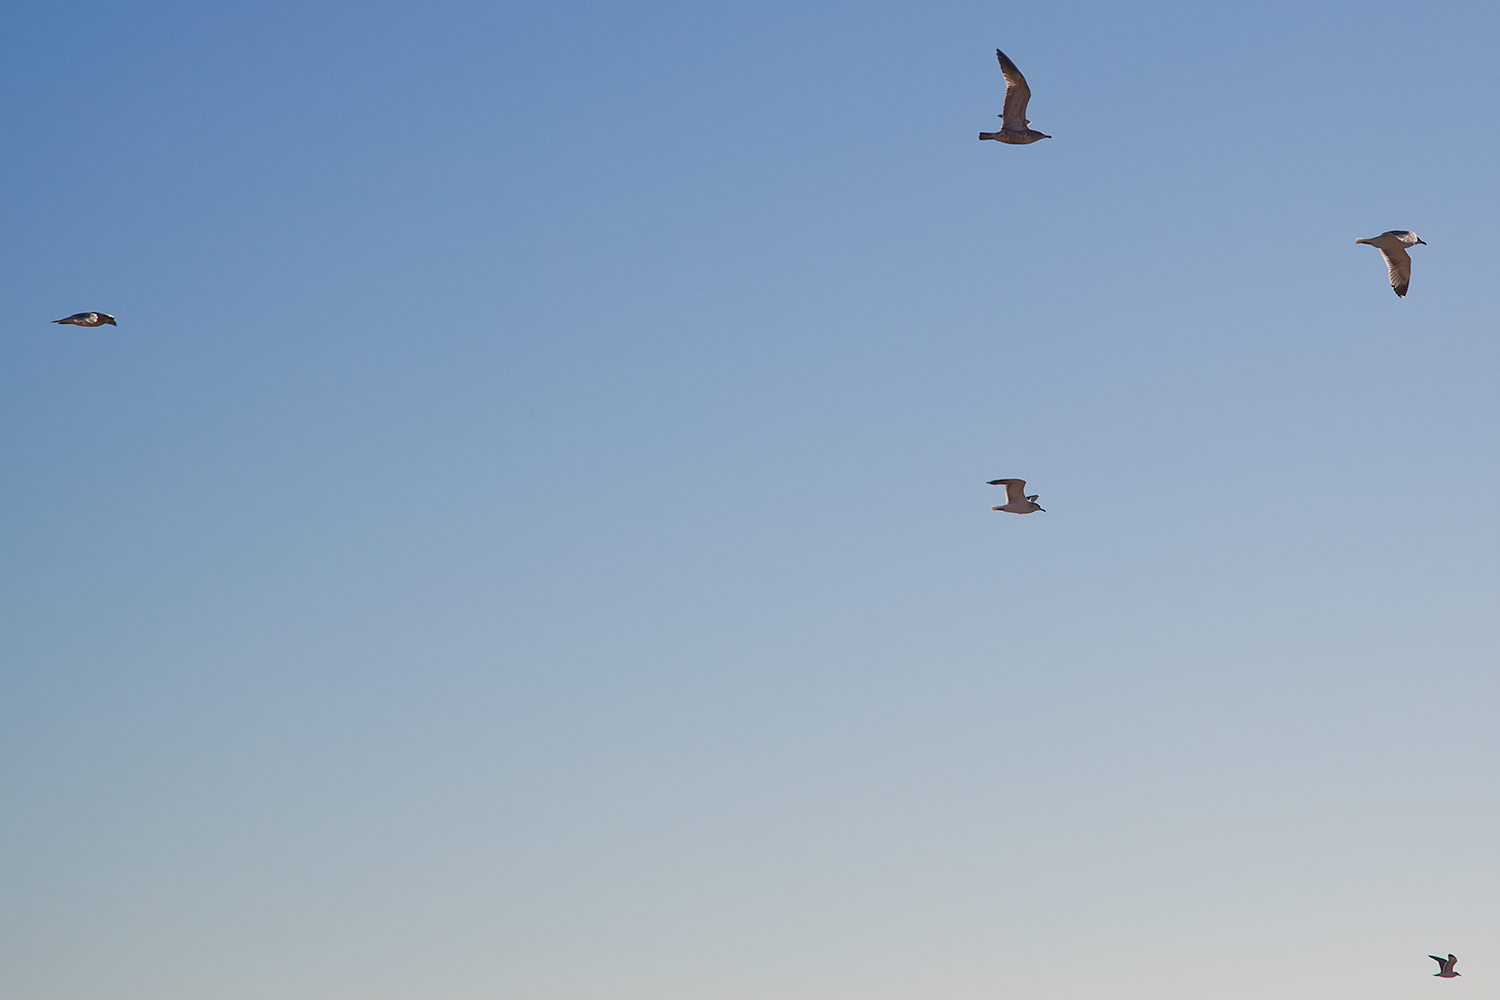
{"points": [[1016, 500], [1445, 965], [1014, 127], [1392, 247], [88, 319]]}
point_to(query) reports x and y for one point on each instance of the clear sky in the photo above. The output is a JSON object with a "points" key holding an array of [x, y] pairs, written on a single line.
{"points": [[527, 536]]}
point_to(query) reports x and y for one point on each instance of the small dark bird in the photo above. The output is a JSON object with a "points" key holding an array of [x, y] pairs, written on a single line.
{"points": [[1392, 246], [1016, 500], [1445, 966], [89, 319], [1015, 129]]}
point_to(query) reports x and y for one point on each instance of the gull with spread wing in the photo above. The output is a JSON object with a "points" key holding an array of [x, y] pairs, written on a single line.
{"points": [[1016, 500], [88, 319], [1015, 129], [1392, 246], [1445, 965]]}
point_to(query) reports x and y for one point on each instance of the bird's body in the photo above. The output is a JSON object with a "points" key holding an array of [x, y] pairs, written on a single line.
{"points": [[88, 319], [1445, 965], [1015, 129], [1392, 246], [1016, 500]]}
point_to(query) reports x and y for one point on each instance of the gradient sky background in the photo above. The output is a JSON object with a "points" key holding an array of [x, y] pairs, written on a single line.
{"points": [[527, 536]]}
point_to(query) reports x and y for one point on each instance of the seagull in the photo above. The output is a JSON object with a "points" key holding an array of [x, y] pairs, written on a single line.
{"points": [[1445, 965], [88, 319], [1016, 500], [1014, 127], [1392, 247]]}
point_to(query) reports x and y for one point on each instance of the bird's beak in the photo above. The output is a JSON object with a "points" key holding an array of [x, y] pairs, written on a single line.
{"points": [[1423, 242]]}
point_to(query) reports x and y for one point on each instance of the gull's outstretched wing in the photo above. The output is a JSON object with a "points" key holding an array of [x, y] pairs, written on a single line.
{"points": [[1017, 94], [1398, 262], [1015, 489]]}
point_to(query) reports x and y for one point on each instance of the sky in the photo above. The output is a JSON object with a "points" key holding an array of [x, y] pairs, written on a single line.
{"points": [[527, 536]]}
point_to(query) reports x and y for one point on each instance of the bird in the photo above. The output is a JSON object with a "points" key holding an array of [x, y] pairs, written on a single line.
{"points": [[1392, 246], [1445, 965], [88, 319], [1014, 126], [1016, 500]]}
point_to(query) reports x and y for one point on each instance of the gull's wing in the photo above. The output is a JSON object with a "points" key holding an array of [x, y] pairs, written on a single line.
{"points": [[1398, 262], [1017, 94], [1015, 489], [1442, 962]]}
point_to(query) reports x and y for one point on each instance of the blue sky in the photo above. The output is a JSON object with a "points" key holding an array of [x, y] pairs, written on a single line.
{"points": [[527, 535]]}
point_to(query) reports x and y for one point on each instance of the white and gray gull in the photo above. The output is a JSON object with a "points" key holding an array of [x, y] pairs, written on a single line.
{"points": [[1392, 246], [1016, 500], [1014, 126]]}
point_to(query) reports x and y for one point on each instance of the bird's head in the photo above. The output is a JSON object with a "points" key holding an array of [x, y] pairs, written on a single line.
{"points": [[1422, 241], [108, 319]]}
